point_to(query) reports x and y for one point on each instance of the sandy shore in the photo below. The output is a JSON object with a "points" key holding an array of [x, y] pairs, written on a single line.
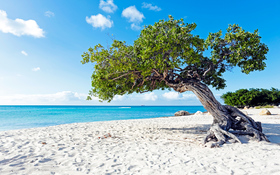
{"points": [[149, 146]]}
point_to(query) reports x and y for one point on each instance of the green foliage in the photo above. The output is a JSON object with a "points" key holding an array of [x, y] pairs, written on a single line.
{"points": [[238, 48], [267, 106], [252, 97], [168, 53]]}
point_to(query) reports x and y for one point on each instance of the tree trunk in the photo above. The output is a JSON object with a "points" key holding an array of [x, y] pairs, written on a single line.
{"points": [[227, 119]]}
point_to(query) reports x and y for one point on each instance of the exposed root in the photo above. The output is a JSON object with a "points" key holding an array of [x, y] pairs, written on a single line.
{"points": [[241, 125], [219, 135], [246, 125]]}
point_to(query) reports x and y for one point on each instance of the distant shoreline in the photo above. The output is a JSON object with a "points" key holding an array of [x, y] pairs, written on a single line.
{"points": [[20, 117]]}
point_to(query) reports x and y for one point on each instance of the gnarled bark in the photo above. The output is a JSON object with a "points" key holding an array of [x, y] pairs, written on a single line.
{"points": [[227, 119]]}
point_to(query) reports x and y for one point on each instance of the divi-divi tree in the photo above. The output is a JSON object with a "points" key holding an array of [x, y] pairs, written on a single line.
{"points": [[167, 55]]}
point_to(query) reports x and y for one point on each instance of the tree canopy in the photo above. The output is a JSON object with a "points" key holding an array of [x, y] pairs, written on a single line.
{"points": [[252, 97], [167, 53]]}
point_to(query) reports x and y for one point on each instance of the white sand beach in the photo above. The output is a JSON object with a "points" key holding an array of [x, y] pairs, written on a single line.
{"points": [[171, 145]]}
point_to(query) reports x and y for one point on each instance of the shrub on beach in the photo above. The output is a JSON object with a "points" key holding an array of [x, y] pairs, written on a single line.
{"points": [[252, 97], [267, 106]]}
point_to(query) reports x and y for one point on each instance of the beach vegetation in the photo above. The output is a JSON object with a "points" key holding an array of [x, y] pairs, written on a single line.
{"points": [[267, 106], [167, 55], [252, 97]]}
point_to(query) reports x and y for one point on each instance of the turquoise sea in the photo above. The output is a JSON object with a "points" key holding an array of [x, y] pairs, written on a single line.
{"points": [[19, 117]]}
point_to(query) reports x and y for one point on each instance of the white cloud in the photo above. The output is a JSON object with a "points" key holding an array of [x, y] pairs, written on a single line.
{"points": [[150, 7], [99, 21], [108, 6], [64, 97], [135, 27], [19, 27], [171, 95], [189, 96], [132, 14], [150, 96], [118, 98], [49, 14], [178, 96], [60, 96], [36, 69], [24, 53]]}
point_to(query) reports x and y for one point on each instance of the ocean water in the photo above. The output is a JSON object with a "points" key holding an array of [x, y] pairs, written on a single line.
{"points": [[20, 117]]}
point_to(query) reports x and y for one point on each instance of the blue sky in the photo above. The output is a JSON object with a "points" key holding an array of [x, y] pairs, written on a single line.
{"points": [[41, 43]]}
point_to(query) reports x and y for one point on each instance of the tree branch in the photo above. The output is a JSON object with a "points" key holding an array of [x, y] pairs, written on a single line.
{"points": [[125, 74], [208, 70], [157, 72]]}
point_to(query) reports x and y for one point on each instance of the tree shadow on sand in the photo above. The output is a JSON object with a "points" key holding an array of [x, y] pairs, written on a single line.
{"points": [[199, 129], [272, 131]]}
